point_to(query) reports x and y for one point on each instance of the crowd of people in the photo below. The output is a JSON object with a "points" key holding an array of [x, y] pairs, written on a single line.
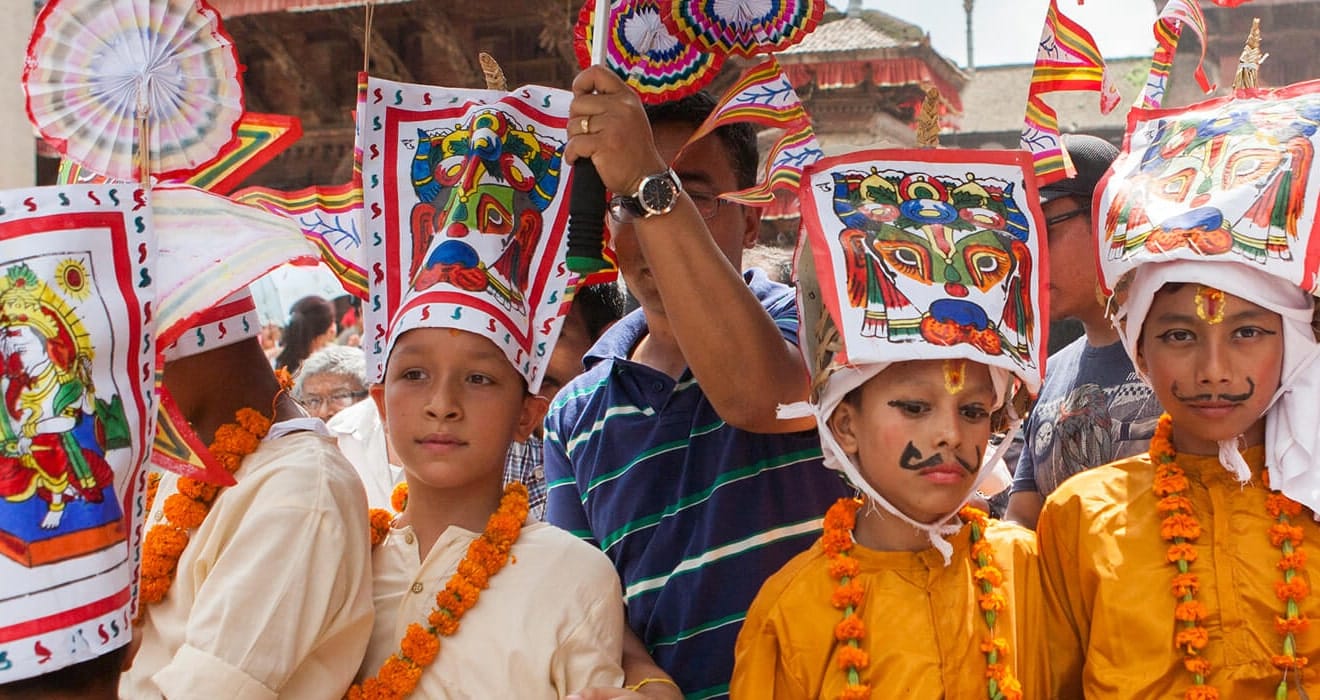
{"points": [[708, 496]]}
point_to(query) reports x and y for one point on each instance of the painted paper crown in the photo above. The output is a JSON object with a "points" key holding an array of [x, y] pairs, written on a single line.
{"points": [[1232, 179], [922, 254], [76, 372], [466, 202]]}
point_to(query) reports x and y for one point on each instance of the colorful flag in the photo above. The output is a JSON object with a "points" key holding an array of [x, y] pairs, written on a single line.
{"points": [[1066, 60], [795, 151], [761, 95], [1168, 28], [330, 217]]}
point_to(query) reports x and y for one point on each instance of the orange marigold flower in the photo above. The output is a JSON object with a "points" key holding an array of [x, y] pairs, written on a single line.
{"points": [[1283, 532], [253, 422], [399, 497], [996, 672], [231, 462], [1182, 551], [842, 566], [993, 600], [850, 627], [235, 440], [982, 550], [847, 594], [850, 657], [1170, 484], [836, 542], [1175, 503], [197, 490], [1180, 525], [1011, 688], [153, 589], [998, 645], [973, 514], [842, 515], [379, 521], [989, 574], [1283, 662], [1189, 611], [1185, 585], [444, 623], [1292, 625], [1191, 638], [855, 692], [400, 675], [1197, 665], [419, 645], [158, 567], [474, 573], [1295, 589], [1277, 504], [1201, 692], [1296, 560], [184, 512], [165, 541]]}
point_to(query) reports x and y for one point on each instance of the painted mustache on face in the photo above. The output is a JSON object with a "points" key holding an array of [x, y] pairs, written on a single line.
{"points": [[912, 460], [1231, 398]]}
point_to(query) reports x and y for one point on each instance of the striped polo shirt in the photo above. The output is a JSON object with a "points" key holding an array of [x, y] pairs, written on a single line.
{"points": [[694, 513]]}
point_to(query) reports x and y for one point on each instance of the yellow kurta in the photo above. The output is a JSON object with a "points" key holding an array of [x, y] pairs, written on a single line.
{"points": [[1108, 584], [924, 628]]}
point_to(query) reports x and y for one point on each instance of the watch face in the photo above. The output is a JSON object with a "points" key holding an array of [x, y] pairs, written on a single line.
{"points": [[657, 194]]}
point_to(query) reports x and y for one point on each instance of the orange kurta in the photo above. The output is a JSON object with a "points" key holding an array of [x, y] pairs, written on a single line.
{"points": [[1108, 584], [924, 628]]}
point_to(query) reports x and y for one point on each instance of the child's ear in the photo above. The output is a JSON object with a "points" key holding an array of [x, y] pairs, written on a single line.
{"points": [[1141, 357], [377, 392], [841, 426], [534, 408]]}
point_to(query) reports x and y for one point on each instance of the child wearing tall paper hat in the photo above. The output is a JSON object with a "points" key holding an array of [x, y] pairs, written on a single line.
{"points": [[1183, 572], [76, 417], [255, 566], [473, 598], [919, 295]]}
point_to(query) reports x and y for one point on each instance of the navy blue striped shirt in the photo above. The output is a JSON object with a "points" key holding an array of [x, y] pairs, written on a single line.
{"points": [[694, 513]]}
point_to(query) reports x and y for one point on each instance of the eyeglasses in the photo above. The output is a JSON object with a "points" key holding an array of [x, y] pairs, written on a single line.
{"points": [[1070, 214], [707, 203], [339, 399]]}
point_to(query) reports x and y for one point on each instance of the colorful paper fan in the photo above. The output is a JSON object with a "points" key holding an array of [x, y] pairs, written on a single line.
{"points": [[91, 63], [642, 50], [744, 27]]}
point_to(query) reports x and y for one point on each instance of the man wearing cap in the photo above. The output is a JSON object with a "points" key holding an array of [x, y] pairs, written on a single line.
{"points": [[1093, 408]]}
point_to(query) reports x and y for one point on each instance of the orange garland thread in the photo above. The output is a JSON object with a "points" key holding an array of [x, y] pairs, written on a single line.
{"points": [[487, 554], [1180, 527], [188, 507], [838, 542], [1000, 683], [1288, 538]]}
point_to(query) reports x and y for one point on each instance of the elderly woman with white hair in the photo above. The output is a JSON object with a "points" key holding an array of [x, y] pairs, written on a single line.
{"points": [[331, 379]]}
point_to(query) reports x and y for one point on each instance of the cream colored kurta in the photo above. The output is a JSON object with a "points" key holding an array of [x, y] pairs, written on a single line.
{"points": [[924, 627], [273, 593], [551, 622], [1108, 584]]}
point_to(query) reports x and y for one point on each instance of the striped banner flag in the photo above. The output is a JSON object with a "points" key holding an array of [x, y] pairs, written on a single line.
{"points": [[761, 95], [795, 151], [1168, 28], [1066, 60], [329, 217]]}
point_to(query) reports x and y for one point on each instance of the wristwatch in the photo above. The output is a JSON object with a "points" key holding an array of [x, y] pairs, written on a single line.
{"points": [[656, 195]]}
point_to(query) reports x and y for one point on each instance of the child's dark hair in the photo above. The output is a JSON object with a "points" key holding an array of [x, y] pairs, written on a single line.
{"points": [[739, 138], [309, 318], [598, 305]]}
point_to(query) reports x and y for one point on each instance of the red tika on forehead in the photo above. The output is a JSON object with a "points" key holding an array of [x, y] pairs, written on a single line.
{"points": [[1210, 304]]}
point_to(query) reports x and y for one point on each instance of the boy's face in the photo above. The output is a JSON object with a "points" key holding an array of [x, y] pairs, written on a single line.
{"points": [[451, 404], [1214, 360], [918, 432]]}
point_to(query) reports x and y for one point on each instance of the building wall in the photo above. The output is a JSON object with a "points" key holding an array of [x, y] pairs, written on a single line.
{"points": [[17, 146]]}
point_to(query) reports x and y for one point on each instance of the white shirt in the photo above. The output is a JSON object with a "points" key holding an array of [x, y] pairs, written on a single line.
{"points": [[361, 437]]}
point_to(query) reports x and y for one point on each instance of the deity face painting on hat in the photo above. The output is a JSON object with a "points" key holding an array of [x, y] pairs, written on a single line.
{"points": [[466, 217], [76, 412], [919, 255]]}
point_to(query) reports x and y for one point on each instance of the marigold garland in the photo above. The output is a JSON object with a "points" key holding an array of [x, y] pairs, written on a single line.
{"points": [[420, 645], [1180, 527], [840, 520], [187, 508], [1000, 683]]}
